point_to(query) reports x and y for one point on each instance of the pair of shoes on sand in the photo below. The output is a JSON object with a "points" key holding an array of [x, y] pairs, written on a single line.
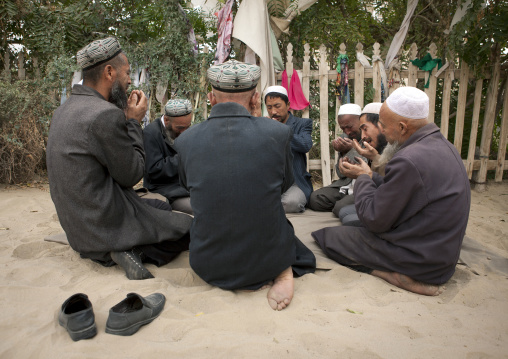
{"points": [[125, 318], [132, 262]]}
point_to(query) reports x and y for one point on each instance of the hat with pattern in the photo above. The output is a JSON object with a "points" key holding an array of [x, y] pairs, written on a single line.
{"points": [[98, 52], [234, 76], [177, 107]]}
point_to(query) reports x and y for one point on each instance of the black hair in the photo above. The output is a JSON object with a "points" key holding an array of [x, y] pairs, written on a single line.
{"points": [[371, 117], [278, 95], [94, 74]]}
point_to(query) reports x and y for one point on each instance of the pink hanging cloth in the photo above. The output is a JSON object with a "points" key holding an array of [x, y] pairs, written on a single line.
{"points": [[224, 29], [295, 93]]}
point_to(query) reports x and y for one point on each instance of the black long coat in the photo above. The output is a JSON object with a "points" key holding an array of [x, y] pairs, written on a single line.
{"points": [[236, 168], [94, 157], [161, 165]]}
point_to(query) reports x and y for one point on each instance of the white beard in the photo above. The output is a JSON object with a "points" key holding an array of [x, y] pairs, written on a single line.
{"points": [[390, 150]]}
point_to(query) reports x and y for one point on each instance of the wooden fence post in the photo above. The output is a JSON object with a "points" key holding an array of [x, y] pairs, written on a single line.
{"points": [[338, 130], [376, 74], [431, 90], [306, 87], [359, 77], [445, 104], [461, 105], [323, 116], [289, 62], [474, 127], [306, 78], [413, 69], [501, 153], [394, 76], [488, 121]]}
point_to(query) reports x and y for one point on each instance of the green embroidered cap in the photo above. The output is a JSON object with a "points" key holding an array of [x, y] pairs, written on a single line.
{"points": [[177, 108], [234, 76], [98, 52]]}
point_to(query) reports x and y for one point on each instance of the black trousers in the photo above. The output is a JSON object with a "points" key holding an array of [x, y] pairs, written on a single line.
{"points": [[165, 251]]}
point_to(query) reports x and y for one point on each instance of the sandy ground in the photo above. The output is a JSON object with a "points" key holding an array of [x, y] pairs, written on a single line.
{"points": [[335, 313]]}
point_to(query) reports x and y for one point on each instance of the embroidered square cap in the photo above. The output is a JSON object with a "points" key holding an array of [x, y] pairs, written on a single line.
{"points": [[409, 102], [98, 52], [234, 76], [177, 107], [350, 109], [373, 107]]}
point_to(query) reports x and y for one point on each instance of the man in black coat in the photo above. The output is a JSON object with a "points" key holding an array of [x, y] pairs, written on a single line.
{"points": [[95, 156], [161, 165], [236, 167]]}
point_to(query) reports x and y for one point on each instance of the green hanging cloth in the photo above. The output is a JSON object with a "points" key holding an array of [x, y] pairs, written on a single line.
{"points": [[427, 64]]}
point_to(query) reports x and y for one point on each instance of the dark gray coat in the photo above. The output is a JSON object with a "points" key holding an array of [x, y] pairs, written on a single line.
{"points": [[236, 168], [415, 217], [94, 157]]}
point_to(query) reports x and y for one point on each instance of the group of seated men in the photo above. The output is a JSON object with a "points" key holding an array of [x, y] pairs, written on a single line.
{"points": [[230, 180]]}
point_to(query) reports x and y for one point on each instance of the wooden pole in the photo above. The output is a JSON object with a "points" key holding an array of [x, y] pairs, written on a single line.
{"points": [[413, 70], [501, 153], [445, 104], [431, 90], [323, 116], [488, 122], [359, 78], [474, 127], [461, 105], [376, 75]]}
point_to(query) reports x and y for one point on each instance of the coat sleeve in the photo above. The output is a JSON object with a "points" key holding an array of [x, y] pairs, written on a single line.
{"points": [[119, 146], [181, 169], [158, 166], [288, 165], [302, 137], [400, 196]]}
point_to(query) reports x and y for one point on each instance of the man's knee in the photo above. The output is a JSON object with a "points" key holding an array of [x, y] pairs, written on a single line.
{"points": [[293, 200], [182, 204], [319, 201]]}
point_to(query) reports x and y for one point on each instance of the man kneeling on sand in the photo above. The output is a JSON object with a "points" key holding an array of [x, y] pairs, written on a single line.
{"points": [[415, 216], [236, 168], [94, 157]]}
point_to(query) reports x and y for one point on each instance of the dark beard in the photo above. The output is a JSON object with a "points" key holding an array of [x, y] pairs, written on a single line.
{"points": [[381, 143], [118, 96]]}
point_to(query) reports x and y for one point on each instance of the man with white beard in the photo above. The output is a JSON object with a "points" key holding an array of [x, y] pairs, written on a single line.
{"points": [[414, 217]]}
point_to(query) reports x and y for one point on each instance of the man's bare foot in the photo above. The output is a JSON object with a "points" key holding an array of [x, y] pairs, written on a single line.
{"points": [[281, 293], [405, 282]]}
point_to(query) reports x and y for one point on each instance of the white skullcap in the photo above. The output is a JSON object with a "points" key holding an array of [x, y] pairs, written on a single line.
{"points": [[276, 89], [350, 109], [373, 107], [409, 102]]}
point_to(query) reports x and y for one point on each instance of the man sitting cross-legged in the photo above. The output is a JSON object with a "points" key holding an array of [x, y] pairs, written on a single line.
{"points": [[236, 167], [414, 218], [94, 157]]}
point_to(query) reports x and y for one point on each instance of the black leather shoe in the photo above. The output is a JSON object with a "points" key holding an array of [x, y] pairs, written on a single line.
{"points": [[76, 315], [131, 262], [130, 314]]}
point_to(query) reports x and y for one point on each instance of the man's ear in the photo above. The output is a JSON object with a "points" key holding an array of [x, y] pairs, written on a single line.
{"points": [[109, 73], [403, 127], [255, 99], [211, 98]]}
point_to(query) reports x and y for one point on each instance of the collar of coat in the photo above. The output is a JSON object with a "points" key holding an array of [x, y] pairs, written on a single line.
{"points": [[421, 133]]}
